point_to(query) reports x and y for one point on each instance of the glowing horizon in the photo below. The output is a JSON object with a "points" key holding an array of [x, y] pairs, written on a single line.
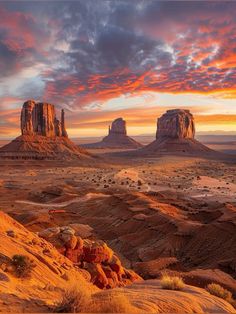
{"points": [[100, 60]]}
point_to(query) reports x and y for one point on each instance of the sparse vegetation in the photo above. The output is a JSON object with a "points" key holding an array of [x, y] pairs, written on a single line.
{"points": [[172, 283], [74, 300], [78, 300], [22, 266], [113, 303], [220, 292]]}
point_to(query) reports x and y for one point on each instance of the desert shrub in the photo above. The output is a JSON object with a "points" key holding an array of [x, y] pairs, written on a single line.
{"points": [[220, 292], [78, 300], [172, 283], [22, 266], [112, 303], [74, 300]]}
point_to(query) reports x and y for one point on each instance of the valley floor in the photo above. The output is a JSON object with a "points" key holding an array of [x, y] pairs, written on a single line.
{"points": [[173, 215]]}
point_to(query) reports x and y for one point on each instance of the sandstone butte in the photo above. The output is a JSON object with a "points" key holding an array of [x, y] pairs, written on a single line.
{"points": [[53, 274], [117, 137], [176, 135], [43, 136]]}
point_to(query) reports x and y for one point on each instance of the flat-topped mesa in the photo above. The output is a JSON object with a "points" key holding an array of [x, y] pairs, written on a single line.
{"points": [[175, 135], [40, 119], [118, 126], [176, 124]]}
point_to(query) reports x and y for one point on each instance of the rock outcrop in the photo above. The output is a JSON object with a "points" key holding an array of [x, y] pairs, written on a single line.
{"points": [[175, 135], [176, 124], [103, 265], [117, 137], [43, 136], [53, 275], [40, 119], [118, 126]]}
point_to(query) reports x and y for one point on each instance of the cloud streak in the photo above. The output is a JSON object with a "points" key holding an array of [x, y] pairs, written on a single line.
{"points": [[81, 54]]}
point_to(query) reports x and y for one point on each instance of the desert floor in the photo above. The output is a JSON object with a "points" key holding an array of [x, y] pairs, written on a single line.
{"points": [[171, 214]]}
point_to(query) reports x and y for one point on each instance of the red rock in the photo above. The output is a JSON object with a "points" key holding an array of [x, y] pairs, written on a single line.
{"points": [[175, 135], [71, 243], [80, 243], [43, 136], [40, 119], [96, 252], [115, 264], [74, 255], [98, 276], [177, 123], [118, 126], [113, 280]]}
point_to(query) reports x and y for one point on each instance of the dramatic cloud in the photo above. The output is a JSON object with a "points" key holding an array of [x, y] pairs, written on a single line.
{"points": [[81, 54]]}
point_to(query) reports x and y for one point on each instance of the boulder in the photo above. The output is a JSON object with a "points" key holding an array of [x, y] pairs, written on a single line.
{"points": [[71, 243], [94, 256], [96, 252]]}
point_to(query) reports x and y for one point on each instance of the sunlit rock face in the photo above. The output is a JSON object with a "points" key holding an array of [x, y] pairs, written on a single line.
{"points": [[176, 124], [40, 119], [118, 126]]}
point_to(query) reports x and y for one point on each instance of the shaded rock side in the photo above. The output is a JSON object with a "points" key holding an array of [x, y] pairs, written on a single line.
{"points": [[118, 126]]}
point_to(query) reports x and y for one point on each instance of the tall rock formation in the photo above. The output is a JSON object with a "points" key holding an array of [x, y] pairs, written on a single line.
{"points": [[63, 126], [117, 137], [40, 119], [175, 135], [118, 126], [43, 136], [177, 123]]}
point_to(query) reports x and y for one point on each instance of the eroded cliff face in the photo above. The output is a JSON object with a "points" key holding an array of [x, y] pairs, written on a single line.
{"points": [[40, 119], [177, 124]]}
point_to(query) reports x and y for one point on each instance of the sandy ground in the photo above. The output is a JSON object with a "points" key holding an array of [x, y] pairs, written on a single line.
{"points": [[146, 210], [193, 176]]}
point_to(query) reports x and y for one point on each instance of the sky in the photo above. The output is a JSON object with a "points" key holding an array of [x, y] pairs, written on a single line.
{"points": [[100, 60]]}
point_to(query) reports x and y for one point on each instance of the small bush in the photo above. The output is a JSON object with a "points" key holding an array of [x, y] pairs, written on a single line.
{"points": [[220, 292], [78, 300], [113, 303], [73, 301], [172, 283], [22, 265]]}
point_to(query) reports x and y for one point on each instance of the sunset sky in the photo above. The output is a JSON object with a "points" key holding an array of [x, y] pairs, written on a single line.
{"points": [[101, 60]]}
